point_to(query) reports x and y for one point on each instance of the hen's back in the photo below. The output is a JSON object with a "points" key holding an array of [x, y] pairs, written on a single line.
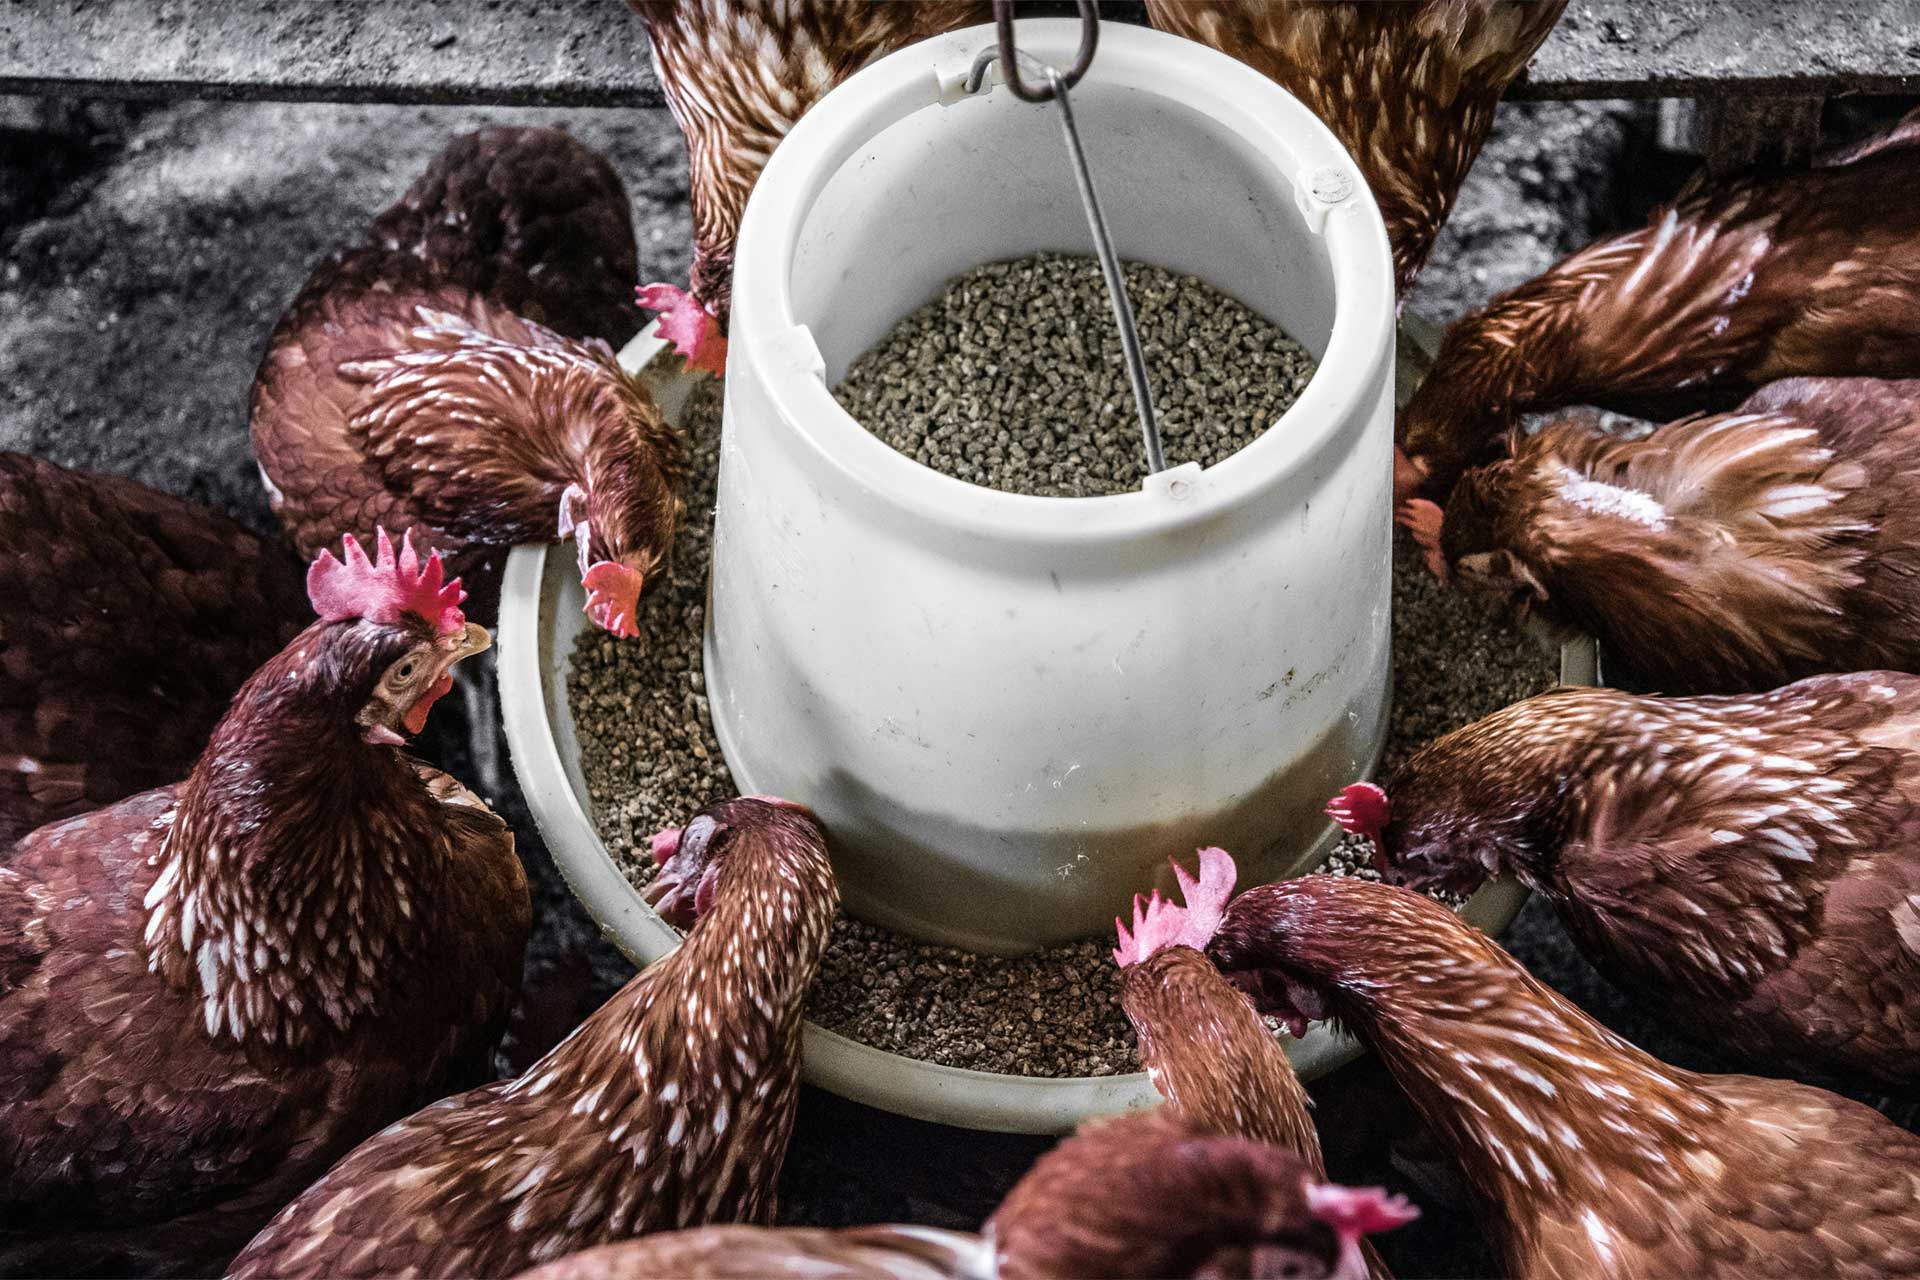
{"points": [[533, 220], [128, 618]]}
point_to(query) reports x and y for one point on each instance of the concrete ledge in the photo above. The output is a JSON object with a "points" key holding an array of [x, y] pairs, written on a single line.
{"points": [[593, 52], [1687, 48], [491, 52]]}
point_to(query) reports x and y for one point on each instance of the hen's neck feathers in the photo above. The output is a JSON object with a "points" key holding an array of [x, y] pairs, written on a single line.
{"points": [[749, 960], [1733, 285], [697, 1059], [738, 74], [1543, 1106], [1729, 542], [291, 872], [1212, 1057], [504, 414]]}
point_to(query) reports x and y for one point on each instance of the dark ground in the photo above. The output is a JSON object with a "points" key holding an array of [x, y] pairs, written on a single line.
{"points": [[145, 253]]}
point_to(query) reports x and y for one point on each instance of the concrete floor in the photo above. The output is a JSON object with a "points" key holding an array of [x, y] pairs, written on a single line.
{"points": [[145, 254]]}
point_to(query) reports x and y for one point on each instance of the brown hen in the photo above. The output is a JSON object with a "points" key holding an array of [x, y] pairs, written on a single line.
{"points": [[210, 991], [1591, 1159], [1408, 88], [127, 620], [1719, 554], [1205, 1049], [451, 374], [668, 1108], [1203, 1046], [1734, 284], [1748, 866], [738, 74], [1144, 1195]]}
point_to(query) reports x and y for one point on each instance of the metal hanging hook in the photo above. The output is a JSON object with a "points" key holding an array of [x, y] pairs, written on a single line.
{"points": [[1057, 86], [1009, 59]]}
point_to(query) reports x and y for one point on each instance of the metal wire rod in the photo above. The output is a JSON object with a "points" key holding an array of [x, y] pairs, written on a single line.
{"points": [[1057, 86]]}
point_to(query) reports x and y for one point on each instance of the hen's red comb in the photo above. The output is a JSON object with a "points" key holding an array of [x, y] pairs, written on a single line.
{"points": [[1355, 1212], [1424, 519], [385, 588], [664, 845], [1162, 924], [1361, 808], [690, 327]]}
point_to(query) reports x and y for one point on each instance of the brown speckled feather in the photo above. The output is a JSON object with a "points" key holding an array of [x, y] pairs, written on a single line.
{"points": [[127, 620], [1733, 285], [451, 375], [1408, 88], [1212, 1057], [1216, 1062], [1750, 865], [1731, 552], [750, 1253], [1592, 1160], [668, 1108], [1142, 1195], [210, 991], [1151, 1194], [739, 73]]}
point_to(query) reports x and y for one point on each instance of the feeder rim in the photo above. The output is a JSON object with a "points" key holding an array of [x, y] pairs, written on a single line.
{"points": [[771, 347]]}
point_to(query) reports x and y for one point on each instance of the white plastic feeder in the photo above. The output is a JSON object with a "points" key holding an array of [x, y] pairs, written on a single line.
{"points": [[1273, 563], [1009, 710]]}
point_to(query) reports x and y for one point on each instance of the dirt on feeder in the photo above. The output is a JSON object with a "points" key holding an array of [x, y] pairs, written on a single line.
{"points": [[650, 758], [1013, 377]]}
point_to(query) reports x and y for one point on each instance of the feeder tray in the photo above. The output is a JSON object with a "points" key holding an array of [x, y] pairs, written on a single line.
{"points": [[540, 619]]}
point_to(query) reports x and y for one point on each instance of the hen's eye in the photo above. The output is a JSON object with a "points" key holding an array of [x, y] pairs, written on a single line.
{"points": [[406, 669]]}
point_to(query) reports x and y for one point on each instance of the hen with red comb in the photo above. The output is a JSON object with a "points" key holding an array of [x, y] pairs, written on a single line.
{"points": [[212, 990], [451, 375], [1588, 1157], [1205, 1048]]}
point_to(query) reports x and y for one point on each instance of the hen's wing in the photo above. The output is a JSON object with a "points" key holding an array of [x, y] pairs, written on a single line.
{"points": [[128, 618], [1764, 913], [114, 1115], [486, 888], [482, 1183], [1794, 1182]]}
